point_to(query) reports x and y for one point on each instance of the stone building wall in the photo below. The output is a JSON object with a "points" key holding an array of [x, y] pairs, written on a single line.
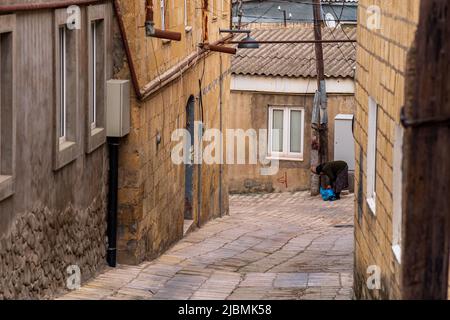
{"points": [[381, 66], [151, 186], [56, 217]]}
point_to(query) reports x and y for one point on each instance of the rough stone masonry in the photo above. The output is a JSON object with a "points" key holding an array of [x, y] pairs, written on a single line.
{"points": [[43, 243]]}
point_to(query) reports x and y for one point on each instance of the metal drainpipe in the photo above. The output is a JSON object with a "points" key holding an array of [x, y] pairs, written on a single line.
{"points": [[199, 174], [113, 146], [46, 5], [221, 136]]}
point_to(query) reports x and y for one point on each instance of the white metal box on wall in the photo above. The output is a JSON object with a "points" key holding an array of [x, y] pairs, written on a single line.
{"points": [[344, 142], [118, 108]]}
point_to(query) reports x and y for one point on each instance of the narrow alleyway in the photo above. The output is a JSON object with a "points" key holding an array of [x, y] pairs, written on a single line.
{"points": [[274, 246]]}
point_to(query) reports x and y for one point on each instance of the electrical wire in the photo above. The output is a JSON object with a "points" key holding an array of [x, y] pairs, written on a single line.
{"points": [[344, 5], [160, 91], [340, 24]]}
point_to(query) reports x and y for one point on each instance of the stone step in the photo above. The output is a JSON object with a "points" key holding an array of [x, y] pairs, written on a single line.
{"points": [[188, 226]]}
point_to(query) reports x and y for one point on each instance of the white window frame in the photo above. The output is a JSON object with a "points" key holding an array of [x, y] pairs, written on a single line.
{"points": [[66, 104], [286, 154], [8, 94], [162, 12], [93, 70], [63, 87], [397, 191], [98, 25], [372, 154], [186, 13]]}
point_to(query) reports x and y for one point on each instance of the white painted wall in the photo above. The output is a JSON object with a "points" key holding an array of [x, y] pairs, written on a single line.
{"points": [[290, 85]]}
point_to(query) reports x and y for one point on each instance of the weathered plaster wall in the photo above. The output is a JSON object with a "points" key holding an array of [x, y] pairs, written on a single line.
{"points": [[249, 110], [381, 65], [54, 219]]}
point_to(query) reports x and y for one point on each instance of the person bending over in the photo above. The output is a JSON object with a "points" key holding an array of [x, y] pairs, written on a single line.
{"points": [[337, 172]]}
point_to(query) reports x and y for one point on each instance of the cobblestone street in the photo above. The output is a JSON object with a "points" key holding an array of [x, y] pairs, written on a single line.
{"points": [[273, 246]]}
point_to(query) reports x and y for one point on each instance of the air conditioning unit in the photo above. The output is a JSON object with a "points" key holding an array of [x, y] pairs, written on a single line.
{"points": [[118, 108]]}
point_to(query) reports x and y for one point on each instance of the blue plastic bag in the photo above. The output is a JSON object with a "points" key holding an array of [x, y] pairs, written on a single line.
{"points": [[327, 194]]}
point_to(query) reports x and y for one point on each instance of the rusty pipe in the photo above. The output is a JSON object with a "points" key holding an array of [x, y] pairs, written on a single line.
{"points": [[219, 48], [153, 32], [48, 5], [149, 10], [134, 78], [169, 35]]}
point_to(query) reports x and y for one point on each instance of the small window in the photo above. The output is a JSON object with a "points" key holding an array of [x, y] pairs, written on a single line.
{"points": [[397, 192], [94, 74], [7, 106], [96, 133], [186, 13], [188, 7], [213, 9], [286, 132], [163, 14], [66, 86], [372, 155]]}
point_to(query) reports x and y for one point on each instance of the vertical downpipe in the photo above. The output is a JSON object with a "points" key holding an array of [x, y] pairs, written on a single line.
{"points": [[199, 172], [221, 136], [113, 146]]}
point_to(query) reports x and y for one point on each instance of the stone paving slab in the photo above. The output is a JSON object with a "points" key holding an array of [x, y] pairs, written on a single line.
{"points": [[271, 246]]}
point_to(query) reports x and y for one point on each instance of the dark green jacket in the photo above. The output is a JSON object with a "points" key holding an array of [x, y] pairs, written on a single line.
{"points": [[333, 168]]}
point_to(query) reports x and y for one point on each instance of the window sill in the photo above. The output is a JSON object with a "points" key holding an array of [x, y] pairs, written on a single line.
{"points": [[285, 159], [67, 152], [97, 138], [6, 187], [397, 250], [371, 202]]}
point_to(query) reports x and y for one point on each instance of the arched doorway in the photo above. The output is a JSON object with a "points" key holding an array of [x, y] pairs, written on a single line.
{"points": [[189, 163]]}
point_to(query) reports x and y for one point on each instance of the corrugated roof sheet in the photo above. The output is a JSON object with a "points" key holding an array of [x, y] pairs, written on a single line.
{"points": [[297, 60], [324, 1]]}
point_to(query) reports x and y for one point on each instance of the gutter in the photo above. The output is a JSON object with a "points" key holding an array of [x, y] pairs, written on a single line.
{"points": [[48, 5]]}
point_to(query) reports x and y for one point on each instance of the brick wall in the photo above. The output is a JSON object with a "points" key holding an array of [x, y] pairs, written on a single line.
{"points": [[381, 65], [152, 188]]}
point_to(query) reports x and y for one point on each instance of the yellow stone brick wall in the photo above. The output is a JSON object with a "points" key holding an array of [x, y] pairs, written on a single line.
{"points": [[157, 56], [381, 65], [151, 187]]}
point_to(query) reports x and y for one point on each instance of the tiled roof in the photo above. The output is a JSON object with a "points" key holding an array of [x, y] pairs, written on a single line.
{"points": [[297, 60]]}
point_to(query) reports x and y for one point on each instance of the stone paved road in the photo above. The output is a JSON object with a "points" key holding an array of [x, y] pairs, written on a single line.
{"points": [[274, 246]]}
